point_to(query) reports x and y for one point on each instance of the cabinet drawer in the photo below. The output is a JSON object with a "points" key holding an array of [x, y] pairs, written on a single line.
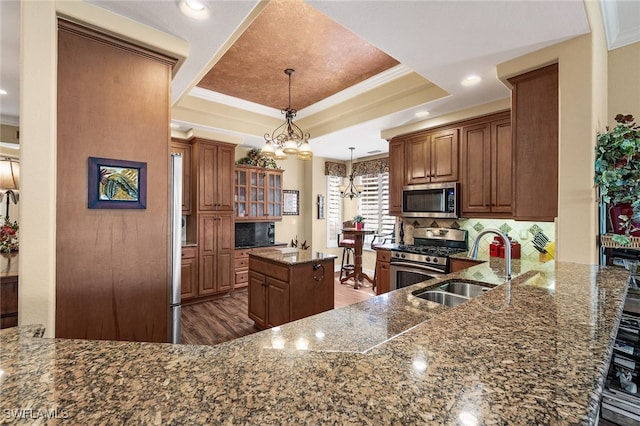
{"points": [[241, 263], [383, 256], [242, 276], [278, 272], [240, 253], [189, 252]]}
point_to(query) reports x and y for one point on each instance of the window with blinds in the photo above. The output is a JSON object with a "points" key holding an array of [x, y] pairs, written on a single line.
{"points": [[334, 210], [374, 205]]}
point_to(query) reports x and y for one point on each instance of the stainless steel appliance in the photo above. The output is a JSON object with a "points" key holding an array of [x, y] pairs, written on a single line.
{"points": [[438, 200], [427, 258], [175, 308]]}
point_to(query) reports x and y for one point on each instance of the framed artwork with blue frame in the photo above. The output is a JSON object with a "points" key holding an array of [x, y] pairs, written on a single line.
{"points": [[117, 184]]}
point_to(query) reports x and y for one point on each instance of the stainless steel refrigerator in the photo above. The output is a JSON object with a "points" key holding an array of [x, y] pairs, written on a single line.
{"points": [[175, 308]]}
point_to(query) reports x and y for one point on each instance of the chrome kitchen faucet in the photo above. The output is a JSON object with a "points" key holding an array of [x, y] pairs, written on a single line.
{"points": [[473, 253]]}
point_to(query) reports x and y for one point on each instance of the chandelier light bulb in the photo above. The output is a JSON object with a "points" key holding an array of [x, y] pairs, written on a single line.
{"points": [[280, 155], [290, 147], [267, 150]]}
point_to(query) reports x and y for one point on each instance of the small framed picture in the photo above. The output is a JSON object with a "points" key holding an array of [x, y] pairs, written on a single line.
{"points": [[117, 184], [291, 203]]}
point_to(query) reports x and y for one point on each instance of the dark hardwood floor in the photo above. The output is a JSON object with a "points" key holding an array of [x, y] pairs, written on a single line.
{"points": [[226, 318]]}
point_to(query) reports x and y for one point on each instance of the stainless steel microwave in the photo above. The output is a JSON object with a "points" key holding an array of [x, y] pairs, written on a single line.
{"points": [[437, 200]]}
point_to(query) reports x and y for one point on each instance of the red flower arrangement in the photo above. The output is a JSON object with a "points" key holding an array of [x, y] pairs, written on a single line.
{"points": [[8, 236]]}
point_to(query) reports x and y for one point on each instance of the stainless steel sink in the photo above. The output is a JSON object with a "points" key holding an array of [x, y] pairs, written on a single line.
{"points": [[452, 293], [464, 289], [442, 297]]}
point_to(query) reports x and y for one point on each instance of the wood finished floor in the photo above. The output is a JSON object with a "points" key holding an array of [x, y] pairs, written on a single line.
{"points": [[226, 318]]}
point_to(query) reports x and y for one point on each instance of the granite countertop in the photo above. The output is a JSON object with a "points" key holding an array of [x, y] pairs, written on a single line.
{"points": [[532, 352], [276, 244], [290, 256]]}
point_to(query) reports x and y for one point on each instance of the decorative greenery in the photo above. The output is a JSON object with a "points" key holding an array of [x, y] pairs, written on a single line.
{"points": [[255, 158], [8, 236], [617, 171], [358, 219]]}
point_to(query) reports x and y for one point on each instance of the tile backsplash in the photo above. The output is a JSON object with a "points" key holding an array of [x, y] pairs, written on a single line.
{"points": [[523, 232]]}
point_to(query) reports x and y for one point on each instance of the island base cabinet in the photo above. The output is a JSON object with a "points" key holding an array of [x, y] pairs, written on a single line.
{"points": [[268, 301], [258, 299], [278, 301], [281, 293]]}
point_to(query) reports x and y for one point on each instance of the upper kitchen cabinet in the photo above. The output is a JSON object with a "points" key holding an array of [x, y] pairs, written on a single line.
{"points": [[214, 177], [184, 148], [396, 176], [486, 167], [257, 194], [432, 157], [535, 144]]}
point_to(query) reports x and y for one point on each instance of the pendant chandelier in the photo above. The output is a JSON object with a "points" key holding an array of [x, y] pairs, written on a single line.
{"points": [[288, 138], [351, 190]]}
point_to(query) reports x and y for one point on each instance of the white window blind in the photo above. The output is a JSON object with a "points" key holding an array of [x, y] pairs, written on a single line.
{"points": [[334, 210], [374, 205]]}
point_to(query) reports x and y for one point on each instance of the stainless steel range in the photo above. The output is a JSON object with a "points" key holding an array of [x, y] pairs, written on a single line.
{"points": [[427, 258]]}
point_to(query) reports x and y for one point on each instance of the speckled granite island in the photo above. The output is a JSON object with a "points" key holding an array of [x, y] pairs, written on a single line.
{"points": [[537, 357], [287, 284]]}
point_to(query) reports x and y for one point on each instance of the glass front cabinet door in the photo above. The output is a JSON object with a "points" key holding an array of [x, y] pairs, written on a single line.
{"points": [[257, 194]]}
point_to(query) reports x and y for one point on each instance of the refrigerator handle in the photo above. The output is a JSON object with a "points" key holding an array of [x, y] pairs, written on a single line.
{"points": [[176, 247]]}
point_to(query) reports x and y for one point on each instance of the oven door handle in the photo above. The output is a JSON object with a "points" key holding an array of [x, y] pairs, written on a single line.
{"points": [[415, 267]]}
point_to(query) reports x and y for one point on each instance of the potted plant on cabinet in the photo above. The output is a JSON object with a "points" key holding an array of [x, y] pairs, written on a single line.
{"points": [[358, 221], [617, 175]]}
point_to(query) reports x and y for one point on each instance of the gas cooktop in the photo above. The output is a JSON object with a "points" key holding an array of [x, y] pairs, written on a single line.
{"points": [[429, 250]]}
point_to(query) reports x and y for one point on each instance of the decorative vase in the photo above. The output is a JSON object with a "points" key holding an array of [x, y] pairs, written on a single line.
{"points": [[617, 210], [359, 226], [10, 254]]}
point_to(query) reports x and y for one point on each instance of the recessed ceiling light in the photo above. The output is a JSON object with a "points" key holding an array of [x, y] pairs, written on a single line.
{"points": [[471, 80], [194, 9], [421, 114], [3, 92]]}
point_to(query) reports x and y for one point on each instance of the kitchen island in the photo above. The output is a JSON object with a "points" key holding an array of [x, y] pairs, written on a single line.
{"points": [[533, 352], [287, 284]]}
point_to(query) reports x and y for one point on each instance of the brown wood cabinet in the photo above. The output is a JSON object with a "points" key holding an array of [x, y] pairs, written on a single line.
{"points": [[535, 144], [486, 167], [257, 194], [112, 265], [9, 301], [189, 273], [241, 265], [383, 259], [241, 268], [396, 176], [214, 176], [184, 148], [280, 293], [216, 253], [431, 157], [460, 264]]}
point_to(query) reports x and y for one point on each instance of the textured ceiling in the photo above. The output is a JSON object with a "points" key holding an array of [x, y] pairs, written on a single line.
{"points": [[291, 34]]}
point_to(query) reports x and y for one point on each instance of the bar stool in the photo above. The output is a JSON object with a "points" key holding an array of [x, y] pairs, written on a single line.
{"points": [[348, 244]]}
